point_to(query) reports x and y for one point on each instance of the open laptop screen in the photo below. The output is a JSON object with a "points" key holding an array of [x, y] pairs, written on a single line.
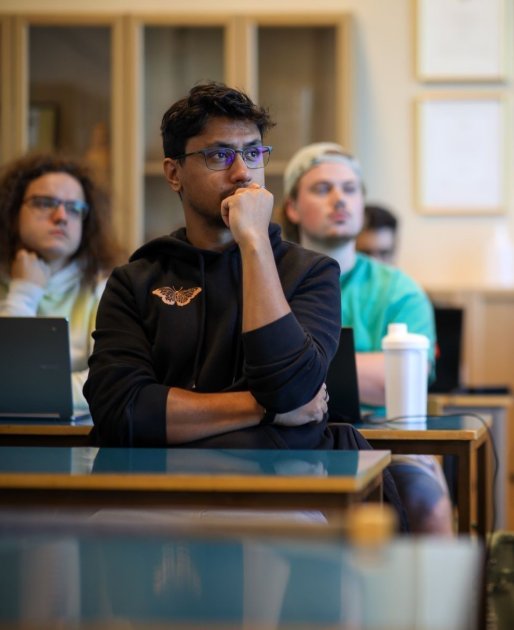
{"points": [[448, 325], [35, 368], [342, 384]]}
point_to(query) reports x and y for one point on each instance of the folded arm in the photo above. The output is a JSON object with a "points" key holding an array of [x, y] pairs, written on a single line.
{"points": [[193, 416]]}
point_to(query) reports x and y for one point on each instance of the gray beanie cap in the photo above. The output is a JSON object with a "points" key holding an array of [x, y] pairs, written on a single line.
{"points": [[312, 155]]}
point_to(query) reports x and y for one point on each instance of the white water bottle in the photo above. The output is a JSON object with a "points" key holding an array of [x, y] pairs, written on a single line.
{"points": [[406, 374]]}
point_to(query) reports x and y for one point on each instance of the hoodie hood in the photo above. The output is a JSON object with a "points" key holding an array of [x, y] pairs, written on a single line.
{"points": [[182, 248]]}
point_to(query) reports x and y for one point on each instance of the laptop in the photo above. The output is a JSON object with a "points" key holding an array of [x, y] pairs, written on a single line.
{"points": [[342, 384], [35, 368], [448, 325]]}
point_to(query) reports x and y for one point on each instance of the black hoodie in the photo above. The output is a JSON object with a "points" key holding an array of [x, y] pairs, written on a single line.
{"points": [[172, 317]]}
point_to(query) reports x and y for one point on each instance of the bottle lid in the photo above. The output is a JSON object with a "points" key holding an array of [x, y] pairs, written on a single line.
{"points": [[397, 329], [398, 338]]}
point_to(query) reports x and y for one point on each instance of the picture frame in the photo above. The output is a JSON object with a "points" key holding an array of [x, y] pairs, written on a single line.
{"points": [[460, 154], [461, 40], [43, 126]]}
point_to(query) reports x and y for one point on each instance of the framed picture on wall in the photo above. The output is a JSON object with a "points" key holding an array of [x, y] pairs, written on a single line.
{"points": [[460, 156], [460, 40]]}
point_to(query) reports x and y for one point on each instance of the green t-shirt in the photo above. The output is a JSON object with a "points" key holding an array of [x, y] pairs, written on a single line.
{"points": [[374, 295]]}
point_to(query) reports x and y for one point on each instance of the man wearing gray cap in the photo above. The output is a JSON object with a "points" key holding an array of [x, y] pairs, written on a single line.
{"points": [[324, 205]]}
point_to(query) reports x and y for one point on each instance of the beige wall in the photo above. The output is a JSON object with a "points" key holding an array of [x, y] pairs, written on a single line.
{"points": [[435, 250]]}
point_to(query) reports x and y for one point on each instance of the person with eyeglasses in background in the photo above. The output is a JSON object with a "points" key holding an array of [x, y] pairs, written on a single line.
{"points": [[56, 249], [379, 235]]}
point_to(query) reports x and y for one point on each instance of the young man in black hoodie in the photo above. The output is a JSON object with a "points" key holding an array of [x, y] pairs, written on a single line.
{"points": [[221, 333]]}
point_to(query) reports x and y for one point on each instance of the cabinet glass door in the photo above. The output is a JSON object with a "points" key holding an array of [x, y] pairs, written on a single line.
{"points": [[297, 82], [6, 91], [175, 59], [3, 69], [70, 92]]}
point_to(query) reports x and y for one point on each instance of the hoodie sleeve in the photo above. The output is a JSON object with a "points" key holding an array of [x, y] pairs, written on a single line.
{"points": [[127, 404], [22, 299], [286, 362]]}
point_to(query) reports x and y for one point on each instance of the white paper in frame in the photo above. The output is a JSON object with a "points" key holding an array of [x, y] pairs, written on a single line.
{"points": [[460, 40], [460, 154]]}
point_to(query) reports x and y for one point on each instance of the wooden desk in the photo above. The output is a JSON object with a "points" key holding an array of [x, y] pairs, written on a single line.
{"points": [[462, 436], [45, 432], [499, 407], [179, 579], [201, 477]]}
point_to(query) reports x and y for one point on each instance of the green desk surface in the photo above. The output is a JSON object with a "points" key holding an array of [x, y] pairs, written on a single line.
{"points": [[182, 461], [93, 580]]}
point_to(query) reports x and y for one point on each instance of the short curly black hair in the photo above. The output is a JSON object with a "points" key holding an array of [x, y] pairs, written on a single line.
{"points": [[377, 217], [188, 116]]}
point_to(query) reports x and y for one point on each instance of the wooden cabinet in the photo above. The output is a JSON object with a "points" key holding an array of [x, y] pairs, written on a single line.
{"points": [[98, 85], [6, 89], [301, 72], [62, 73], [173, 56]]}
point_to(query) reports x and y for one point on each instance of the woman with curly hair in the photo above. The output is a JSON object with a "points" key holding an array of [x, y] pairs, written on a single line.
{"points": [[56, 249]]}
